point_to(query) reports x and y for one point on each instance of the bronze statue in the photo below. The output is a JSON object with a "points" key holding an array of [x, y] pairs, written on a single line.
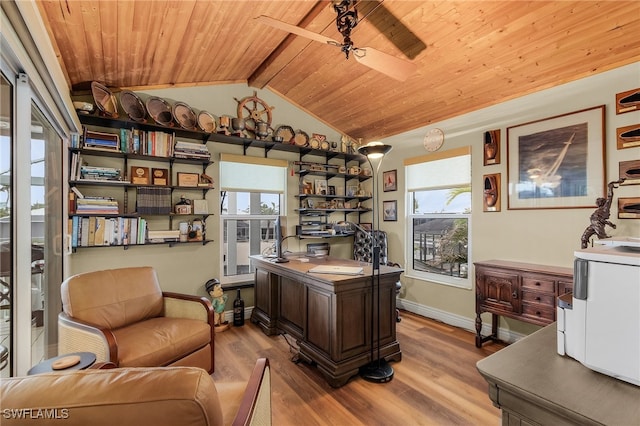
{"points": [[600, 217]]}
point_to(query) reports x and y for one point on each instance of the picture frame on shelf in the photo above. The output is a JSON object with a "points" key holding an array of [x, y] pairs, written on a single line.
{"points": [[331, 190], [321, 187], [352, 190], [557, 162], [307, 187], [188, 179], [390, 211], [140, 175], [160, 177], [390, 180]]}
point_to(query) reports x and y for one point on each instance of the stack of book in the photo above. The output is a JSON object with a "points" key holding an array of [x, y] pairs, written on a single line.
{"points": [[191, 150], [100, 173], [101, 141], [153, 200], [96, 205], [164, 236]]}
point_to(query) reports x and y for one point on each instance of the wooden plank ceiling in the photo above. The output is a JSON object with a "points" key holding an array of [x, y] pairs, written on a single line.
{"points": [[470, 54]]}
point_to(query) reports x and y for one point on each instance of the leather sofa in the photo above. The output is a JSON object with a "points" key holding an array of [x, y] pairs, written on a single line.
{"points": [[123, 317], [136, 396]]}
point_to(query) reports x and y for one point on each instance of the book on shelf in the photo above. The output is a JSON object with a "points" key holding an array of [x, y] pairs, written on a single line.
{"points": [[107, 231]]}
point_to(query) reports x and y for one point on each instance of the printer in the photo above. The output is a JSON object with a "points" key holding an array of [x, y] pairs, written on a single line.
{"points": [[599, 324]]}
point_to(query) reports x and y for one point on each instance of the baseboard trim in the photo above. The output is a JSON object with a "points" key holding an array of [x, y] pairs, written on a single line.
{"points": [[456, 320]]}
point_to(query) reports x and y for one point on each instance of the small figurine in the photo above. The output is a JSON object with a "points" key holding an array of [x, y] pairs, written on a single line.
{"points": [[218, 300], [600, 217]]}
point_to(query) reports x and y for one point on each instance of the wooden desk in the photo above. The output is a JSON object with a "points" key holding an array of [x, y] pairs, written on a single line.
{"points": [[532, 384], [329, 315]]}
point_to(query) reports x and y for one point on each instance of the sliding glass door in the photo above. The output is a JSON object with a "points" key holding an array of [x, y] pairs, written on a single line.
{"points": [[6, 244]]}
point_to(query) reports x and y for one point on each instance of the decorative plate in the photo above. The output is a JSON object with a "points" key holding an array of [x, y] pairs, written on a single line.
{"points": [[301, 138], [325, 145], [160, 111], [207, 122], [286, 133], [184, 116], [133, 106], [104, 99]]}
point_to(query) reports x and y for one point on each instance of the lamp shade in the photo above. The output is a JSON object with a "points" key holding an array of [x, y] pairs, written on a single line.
{"points": [[374, 149]]}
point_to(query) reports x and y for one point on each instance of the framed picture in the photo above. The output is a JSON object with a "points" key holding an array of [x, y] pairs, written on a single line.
{"points": [[627, 101], [140, 175], [332, 190], [557, 162], [367, 226], [390, 210], [629, 171], [321, 186], [352, 190], [390, 179], [307, 187], [629, 208], [628, 136], [188, 179], [160, 176], [491, 151]]}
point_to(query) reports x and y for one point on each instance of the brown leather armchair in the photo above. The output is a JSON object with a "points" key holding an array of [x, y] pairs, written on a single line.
{"points": [[123, 317], [137, 396]]}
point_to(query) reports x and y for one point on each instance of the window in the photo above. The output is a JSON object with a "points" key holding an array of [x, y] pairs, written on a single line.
{"points": [[439, 225], [251, 198]]}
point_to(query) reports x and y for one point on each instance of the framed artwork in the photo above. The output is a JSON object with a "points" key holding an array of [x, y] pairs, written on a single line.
{"points": [[332, 190], [491, 193], [390, 210], [307, 187], [629, 170], [629, 208], [367, 226], [628, 101], [321, 186], [628, 136], [352, 190], [188, 179], [557, 162], [390, 179], [491, 151]]}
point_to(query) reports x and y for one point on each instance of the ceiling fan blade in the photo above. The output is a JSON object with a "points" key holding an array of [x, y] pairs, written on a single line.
{"points": [[295, 30], [396, 68]]}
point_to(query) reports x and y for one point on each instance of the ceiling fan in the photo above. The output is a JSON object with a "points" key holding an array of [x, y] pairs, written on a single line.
{"points": [[346, 21]]}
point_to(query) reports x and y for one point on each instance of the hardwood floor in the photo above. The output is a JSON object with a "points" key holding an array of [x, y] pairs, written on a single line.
{"points": [[436, 383]]}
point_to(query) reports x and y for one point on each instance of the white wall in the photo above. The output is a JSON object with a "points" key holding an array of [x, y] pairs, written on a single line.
{"points": [[534, 236]]}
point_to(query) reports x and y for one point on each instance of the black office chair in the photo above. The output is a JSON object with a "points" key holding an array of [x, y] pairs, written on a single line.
{"points": [[363, 252]]}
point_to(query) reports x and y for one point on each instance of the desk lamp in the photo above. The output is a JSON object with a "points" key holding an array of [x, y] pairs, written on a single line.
{"points": [[378, 371]]}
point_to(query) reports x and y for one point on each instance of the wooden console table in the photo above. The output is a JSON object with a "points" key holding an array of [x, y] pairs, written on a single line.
{"points": [[524, 291], [532, 384], [329, 315]]}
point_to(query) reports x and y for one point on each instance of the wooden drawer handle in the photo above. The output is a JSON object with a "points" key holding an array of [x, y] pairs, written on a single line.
{"points": [[538, 298], [514, 295], [538, 283]]}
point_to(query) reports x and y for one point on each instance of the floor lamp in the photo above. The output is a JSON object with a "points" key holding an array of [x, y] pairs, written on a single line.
{"points": [[378, 370]]}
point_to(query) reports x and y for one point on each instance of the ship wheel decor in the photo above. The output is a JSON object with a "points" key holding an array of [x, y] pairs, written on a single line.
{"points": [[253, 109]]}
